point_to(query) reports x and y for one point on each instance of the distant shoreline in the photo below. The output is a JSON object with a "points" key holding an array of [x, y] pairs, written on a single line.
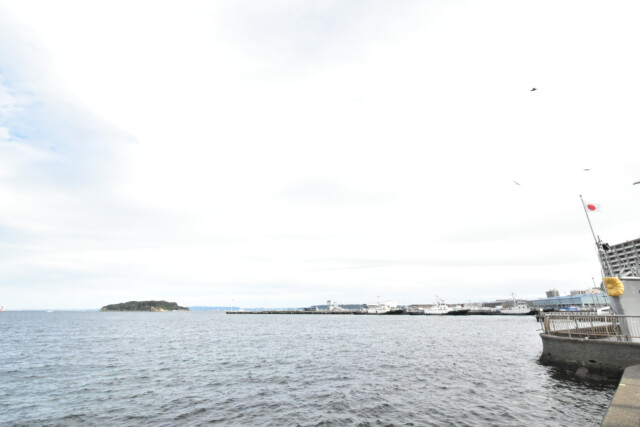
{"points": [[154, 306]]}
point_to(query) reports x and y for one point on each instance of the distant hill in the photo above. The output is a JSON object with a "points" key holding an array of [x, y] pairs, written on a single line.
{"points": [[144, 306]]}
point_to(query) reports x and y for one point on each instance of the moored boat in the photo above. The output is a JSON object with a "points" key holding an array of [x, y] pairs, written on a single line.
{"points": [[395, 311], [519, 309], [457, 312], [438, 308]]}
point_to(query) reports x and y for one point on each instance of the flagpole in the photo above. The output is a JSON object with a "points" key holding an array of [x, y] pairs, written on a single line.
{"points": [[601, 251], [588, 219]]}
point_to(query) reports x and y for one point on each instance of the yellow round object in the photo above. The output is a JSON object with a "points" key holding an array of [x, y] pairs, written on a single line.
{"points": [[614, 286]]}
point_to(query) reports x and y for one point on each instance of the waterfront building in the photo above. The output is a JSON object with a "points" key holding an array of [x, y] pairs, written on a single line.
{"points": [[579, 301], [585, 291], [334, 306]]}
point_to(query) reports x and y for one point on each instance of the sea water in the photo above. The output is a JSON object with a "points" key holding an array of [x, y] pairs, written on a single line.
{"points": [[198, 368]]}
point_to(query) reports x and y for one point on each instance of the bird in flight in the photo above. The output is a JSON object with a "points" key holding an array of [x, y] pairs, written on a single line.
{"points": [[533, 89], [586, 170], [516, 182], [637, 182]]}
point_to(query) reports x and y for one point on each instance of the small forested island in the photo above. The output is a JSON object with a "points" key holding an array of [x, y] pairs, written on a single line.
{"points": [[144, 306]]}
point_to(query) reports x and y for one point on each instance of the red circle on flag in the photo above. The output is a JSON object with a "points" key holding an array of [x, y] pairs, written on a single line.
{"points": [[591, 207]]}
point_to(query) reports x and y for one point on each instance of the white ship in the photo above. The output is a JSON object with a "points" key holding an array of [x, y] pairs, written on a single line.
{"points": [[517, 308], [438, 308], [380, 307]]}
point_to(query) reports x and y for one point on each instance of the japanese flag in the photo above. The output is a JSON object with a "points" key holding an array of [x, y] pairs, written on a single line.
{"points": [[592, 207]]}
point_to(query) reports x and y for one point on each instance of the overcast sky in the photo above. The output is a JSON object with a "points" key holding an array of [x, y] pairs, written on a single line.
{"points": [[282, 153]]}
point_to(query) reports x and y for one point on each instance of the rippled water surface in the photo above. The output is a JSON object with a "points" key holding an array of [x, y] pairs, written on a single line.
{"points": [[195, 368]]}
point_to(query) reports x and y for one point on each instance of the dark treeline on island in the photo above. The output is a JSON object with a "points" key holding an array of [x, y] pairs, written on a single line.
{"points": [[144, 306]]}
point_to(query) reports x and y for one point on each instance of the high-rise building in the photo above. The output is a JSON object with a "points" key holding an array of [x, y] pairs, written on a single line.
{"points": [[553, 293]]}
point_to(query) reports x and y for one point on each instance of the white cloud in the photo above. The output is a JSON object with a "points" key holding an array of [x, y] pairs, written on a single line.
{"points": [[290, 153]]}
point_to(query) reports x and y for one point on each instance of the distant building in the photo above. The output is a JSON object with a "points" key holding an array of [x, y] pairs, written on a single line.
{"points": [[334, 306], [584, 300], [553, 293], [584, 291], [623, 257]]}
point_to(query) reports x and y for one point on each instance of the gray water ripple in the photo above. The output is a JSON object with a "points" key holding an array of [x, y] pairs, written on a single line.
{"points": [[210, 368]]}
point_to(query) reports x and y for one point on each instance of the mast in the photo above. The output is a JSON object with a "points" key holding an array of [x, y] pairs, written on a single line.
{"points": [[601, 252], [588, 220]]}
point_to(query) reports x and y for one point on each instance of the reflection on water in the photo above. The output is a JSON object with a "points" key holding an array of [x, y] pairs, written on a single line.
{"points": [[566, 378], [197, 368]]}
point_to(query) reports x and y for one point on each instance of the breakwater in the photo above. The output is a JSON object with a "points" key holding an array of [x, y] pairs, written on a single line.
{"points": [[388, 313], [294, 312]]}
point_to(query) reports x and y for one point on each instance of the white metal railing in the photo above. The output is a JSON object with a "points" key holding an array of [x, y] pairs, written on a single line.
{"points": [[622, 328]]}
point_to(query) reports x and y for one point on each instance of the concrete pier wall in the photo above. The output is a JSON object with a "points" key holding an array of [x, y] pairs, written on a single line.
{"points": [[624, 409], [600, 357]]}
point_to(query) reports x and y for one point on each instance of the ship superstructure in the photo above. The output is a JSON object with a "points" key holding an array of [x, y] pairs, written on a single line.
{"points": [[621, 259]]}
